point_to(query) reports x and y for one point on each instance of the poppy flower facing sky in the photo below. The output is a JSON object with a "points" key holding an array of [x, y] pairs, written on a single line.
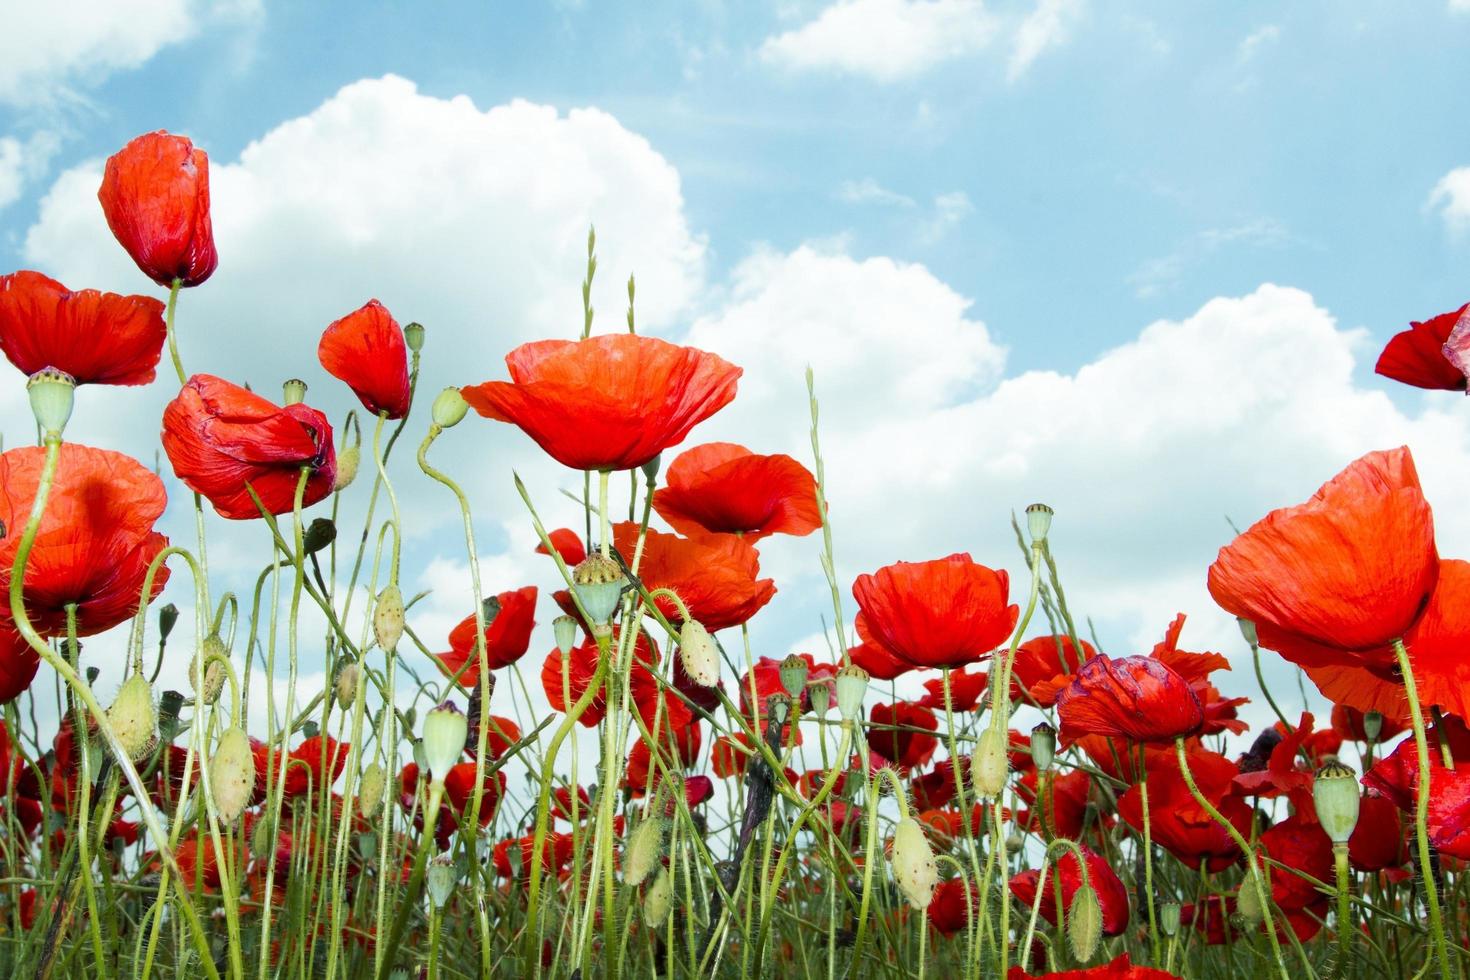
{"points": [[1138, 698], [507, 636], [948, 612], [723, 488], [97, 338], [365, 350], [155, 195], [1417, 357]]}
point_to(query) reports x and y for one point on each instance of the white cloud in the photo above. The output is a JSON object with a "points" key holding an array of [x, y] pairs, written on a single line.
{"points": [[22, 161], [1451, 198], [1045, 27], [887, 40], [1460, 6], [869, 191], [949, 210], [1159, 274], [1252, 44]]}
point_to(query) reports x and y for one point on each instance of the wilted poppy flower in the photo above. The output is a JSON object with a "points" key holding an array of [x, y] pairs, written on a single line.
{"points": [[95, 541], [1345, 573], [955, 906], [365, 349], [1284, 773], [1137, 698], [222, 439], [1111, 892], [577, 674], [1121, 968], [610, 402], [97, 338], [1044, 665], [715, 574], [722, 488], [892, 733], [1417, 357], [1177, 822], [155, 196], [966, 688], [509, 619], [948, 612]]}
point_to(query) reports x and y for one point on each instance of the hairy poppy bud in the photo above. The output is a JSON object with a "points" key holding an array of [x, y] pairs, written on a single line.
{"points": [[1372, 725], [388, 619], [167, 617], [1169, 918], [645, 850], [793, 675], [445, 728], [133, 717], [52, 394], [449, 408], [1084, 923], [852, 687], [564, 628], [1014, 843], [207, 690], [1335, 791], [914, 867], [658, 901], [1038, 521], [319, 533], [413, 335], [598, 582], [1043, 745], [293, 391], [697, 652], [439, 881], [232, 773], [1247, 902], [370, 790], [989, 764], [347, 679], [347, 462]]}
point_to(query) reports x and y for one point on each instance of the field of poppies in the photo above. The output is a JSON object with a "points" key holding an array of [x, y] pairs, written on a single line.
{"points": [[1046, 809]]}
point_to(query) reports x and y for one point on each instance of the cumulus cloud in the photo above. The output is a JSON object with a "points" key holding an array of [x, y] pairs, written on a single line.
{"points": [[887, 40], [22, 161], [1451, 199]]}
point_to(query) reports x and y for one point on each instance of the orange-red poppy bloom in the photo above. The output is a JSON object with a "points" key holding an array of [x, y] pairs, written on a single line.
{"points": [[1378, 842], [1111, 893], [897, 733], [18, 664], [568, 544], [1177, 822], [715, 574], [1397, 775], [581, 665], [155, 196], [556, 853], [948, 612], [1196, 668], [507, 636], [1121, 968], [610, 402], [1044, 665], [224, 440], [95, 541], [459, 793], [680, 739], [767, 681], [1137, 698], [313, 765], [1417, 356], [1336, 578], [1066, 803], [955, 906], [366, 351], [722, 488], [97, 338], [966, 688], [1297, 844]]}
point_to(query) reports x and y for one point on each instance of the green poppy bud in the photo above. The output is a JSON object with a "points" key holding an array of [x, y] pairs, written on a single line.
{"points": [[445, 728], [133, 718], [914, 867], [1043, 745], [232, 774], [449, 408], [698, 654], [989, 765], [658, 900], [1084, 923], [645, 851], [388, 619]]}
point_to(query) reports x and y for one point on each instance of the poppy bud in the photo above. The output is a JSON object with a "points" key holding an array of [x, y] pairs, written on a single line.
{"points": [[914, 867], [852, 687], [413, 335], [1084, 923], [989, 763], [445, 728], [170, 703], [1335, 791], [133, 718], [1169, 917], [658, 901], [650, 468], [319, 533], [347, 463], [598, 582], [347, 679], [370, 790], [214, 671], [793, 675], [1014, 843], [439, 882], [1043, 745], [1038, 521], [388, 619], [52, 393], [232, 773], [1372, 725], [293, 391], [449, 408], [1247, 902], [698, 653], [1248, 630], [564, 628], [167, 617], [260, 839], [644, 852]]}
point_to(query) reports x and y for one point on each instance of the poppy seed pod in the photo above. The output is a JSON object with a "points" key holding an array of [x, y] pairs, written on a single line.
{"points": [[644, 852], [52, 394], [1372, 725], [821, 697], [347, 462], [232, 773], [1084, 923], [133, 717], [413, 335], [697, 652], [598, 582], [1169, 918], [1038, 521], [445, 729], [370, 790], [564, 628], [852, 687], [1335, 791], [793, 674], [439, 881], [989, 764], [388, 619], [449, 408], [293, 391], [1043, 745], [914, 867], [658, 901]]}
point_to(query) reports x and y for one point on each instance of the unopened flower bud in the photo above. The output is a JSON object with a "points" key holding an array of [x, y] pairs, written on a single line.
{"points": [[650, 468], [133, 717], [413, 336], [52, 394], [599, 583], [370, 790], [347, 459], [1247, 901], [658, 900], [1043, 745], [207, 690], [1169, 918], [698, 654], [1372, 725], [1335, 791], [439, 881], [1084, 923], [989, 765], [232, 773], [170, 703], [645, 850], [1248, 630], [293, 392], [167, 617], [445, 729], [449, 408], [852, 687], [1014, 843], [320, 533], [1038, 521], [564, 628], [914, 867], [793, 674], [388, 619], [347, 679]]}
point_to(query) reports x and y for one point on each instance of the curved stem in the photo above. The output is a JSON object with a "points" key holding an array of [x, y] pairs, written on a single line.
{"points": [[168, 320]]}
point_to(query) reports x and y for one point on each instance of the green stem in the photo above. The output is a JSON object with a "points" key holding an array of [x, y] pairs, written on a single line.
{"points": [[168, 320], [1344, 909]]}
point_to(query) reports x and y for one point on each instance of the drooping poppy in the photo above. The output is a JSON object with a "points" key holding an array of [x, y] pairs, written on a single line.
{"points": [[223, 439], [1342, 575], [1138, 698], [723, 488], [365, 350], [97, 338], [1416, 356], [1044, 665], [1121, 968], [509, 619], [155, 196], [966, 688], [897, 733], [95, 539], [1112, 894], [1177, 822], [715, 574], [948, 612], [610, 402]]}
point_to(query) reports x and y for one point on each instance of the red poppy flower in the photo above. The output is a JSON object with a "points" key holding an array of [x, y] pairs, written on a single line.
{"points": [[611, 402], [1066, 805], [1138, 698], [222, 439], [1285, 774], [729, 755], [966, 688], [1297, 844], [891, 734], [1177, 822], [365, 350], [18, 664], [1416, 356], [1044, 665], [768, 681], [1196, 668], [1378, 841], [581, 665], [680, 743], [556, 854], [955, 906], [722, 488], [943, 613], [459, 789], [568, 544], [155, 196], [507, 636], [1111, 892], [1119, 969], [97, 338], [95, 540], [878, 662], [1346, 572], [561, 803], [313, 765], [935, 789], [1348, 721], [715, 574], [500, 735], [1397, 776]]}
